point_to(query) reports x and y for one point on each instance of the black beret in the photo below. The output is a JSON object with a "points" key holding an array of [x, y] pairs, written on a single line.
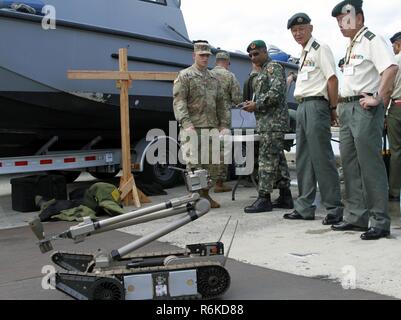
{"points": [[342, 7], [396, 37], [297, 19]]}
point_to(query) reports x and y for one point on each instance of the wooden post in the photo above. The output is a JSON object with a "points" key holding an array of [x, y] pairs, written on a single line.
{"points": [[129, 192], [127, 180]]}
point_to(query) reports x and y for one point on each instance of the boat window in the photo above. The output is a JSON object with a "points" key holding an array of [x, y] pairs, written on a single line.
{"points": [[162, 2]]}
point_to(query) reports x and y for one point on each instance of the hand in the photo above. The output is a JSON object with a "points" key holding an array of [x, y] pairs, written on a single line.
{"points": [[290, 79], [225, 131], [334, 118], [250, 106], [368, 102], [189, 129]]}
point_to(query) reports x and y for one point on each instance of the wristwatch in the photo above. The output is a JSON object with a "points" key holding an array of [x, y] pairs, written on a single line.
{"points": [[333, 107]]}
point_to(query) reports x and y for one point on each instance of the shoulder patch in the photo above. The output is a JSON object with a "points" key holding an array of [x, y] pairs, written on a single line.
{"points": [[370, 35], [315, 45]]}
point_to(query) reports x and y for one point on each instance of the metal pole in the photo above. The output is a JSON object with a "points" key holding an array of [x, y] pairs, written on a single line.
{"points": [[201, 208]]}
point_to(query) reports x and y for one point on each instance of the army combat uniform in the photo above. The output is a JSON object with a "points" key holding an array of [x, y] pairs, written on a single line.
{"points": [[199, 103], [272, 120], [232, 96], [394, 132]]}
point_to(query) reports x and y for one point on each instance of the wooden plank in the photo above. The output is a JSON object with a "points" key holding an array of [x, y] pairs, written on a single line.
{"points": [[97, 75], [126, 187], [125, 129], [120, 75]]}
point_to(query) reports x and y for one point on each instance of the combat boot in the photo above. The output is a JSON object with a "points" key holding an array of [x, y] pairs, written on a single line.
{"points": [[220, 187], [262, 204], [205, 194], [285, 200]]}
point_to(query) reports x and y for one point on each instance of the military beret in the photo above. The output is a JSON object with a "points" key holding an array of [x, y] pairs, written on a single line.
{"points": [[257, 44], [202, 47], [396, 37], [224, 55], [298, 19], [346, 7]]}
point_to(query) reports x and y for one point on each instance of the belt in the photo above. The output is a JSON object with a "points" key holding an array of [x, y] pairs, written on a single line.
{"points": [[319, 98], [353, 98]]}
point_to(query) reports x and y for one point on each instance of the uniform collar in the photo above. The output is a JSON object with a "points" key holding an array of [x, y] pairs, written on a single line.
{"points": [[309, 44], [198, 72], [267, 62], [359, 37], [220, 67]]}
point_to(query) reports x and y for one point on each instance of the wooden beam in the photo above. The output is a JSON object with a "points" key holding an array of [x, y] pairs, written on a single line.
{"points": [[121, 75]]}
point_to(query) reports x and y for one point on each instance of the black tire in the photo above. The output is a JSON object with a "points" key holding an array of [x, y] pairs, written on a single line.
{"points": [[104, 175], [70, 176], [161, 174]]}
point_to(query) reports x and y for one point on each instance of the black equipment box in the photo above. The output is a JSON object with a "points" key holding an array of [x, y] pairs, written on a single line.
{"points": [[25, 189]]}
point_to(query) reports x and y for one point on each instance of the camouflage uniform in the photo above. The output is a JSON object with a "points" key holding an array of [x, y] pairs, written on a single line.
{"points": [[232, 96], [272, 122], [199, 102]]}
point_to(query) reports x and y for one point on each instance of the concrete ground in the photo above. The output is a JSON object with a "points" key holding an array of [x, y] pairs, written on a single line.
{"points": [[271, 258]]}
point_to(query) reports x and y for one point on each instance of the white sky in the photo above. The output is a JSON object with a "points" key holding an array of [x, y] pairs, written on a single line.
{"points": [[233, 24]]}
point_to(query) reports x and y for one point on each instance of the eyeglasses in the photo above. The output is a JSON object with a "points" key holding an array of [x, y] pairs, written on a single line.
{"points": [[255, 54]]}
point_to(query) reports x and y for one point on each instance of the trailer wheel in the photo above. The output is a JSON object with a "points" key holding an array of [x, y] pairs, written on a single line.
{"points": [[70, 176], [104, 175], [161, 174]]}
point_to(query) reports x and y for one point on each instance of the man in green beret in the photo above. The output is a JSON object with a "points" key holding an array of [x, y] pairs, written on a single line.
{"points": [[232, 97], [369, 73], [200, 110], [272, 118], [394, 127], [317, 93]]}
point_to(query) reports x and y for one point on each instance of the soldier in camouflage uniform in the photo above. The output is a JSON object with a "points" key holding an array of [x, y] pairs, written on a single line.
{"points": [[232, 96], [199, 108], [271, 112]]}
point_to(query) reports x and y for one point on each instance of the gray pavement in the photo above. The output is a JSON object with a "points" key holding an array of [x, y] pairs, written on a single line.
{"points": [[22, 263]]}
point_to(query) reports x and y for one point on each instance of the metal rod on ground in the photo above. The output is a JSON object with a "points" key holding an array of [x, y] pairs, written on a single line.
{"points": [[232, 241], [224, 230]]}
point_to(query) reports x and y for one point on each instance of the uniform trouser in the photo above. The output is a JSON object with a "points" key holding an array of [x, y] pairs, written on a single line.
{"points": [[201, 150], [316, 162], [273, 168], [223, 168], [365, 177], [394, 137]]}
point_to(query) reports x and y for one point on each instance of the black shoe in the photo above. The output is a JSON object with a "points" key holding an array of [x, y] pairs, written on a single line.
{"points": [[296, 216], [285, 200], [262, 204], [331, 219], [375, 234], [393, 199], [345, 226]]}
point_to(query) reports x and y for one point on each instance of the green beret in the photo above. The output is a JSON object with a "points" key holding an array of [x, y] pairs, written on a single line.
{"points": [[257, 44], [298, 19], [346, 7], [396, 37], [223, 55]]}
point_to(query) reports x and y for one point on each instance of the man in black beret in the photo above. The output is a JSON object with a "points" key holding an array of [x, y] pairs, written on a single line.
{"points": [[394, 127], [369, 74], [317, 93]]}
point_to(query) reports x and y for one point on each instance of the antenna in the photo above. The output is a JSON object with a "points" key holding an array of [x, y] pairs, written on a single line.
{"points": [[232, 240], [224, 230]]}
